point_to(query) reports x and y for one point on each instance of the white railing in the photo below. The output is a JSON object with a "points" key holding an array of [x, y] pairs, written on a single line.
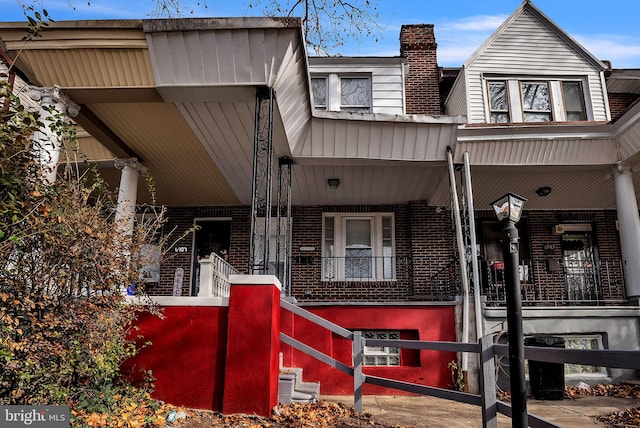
{"points": [[214, 276]]}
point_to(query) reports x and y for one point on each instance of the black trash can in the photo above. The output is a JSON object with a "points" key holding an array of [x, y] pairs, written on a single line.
{"points": [[546, 379]]}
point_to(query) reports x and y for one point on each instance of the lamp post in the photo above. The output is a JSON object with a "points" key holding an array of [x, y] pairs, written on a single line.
{"points": [[508, 209]]}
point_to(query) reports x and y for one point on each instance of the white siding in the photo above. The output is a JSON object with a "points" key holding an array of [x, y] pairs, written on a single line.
{"points": [[528, 47], [377, 139], [386, 81], [457, 100]]}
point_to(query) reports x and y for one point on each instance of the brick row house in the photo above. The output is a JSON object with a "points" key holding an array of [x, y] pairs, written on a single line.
{"points": [[359, 224]]}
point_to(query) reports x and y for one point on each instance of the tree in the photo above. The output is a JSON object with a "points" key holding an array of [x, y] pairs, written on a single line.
{"points": [[328, 24], [64, 327]]}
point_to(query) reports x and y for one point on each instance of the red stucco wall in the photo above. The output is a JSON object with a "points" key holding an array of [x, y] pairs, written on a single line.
{"points": [[186, 355], [433, 323], [188, 350]]}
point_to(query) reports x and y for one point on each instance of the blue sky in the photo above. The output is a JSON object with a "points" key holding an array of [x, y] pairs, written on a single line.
{"points": [[609, 29]]}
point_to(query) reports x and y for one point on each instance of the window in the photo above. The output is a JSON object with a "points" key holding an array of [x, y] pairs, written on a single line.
{"points": [[381, 355], [592, 342], [574, 101], [342, 93], [319, 90], [358, 247], [498, 102], [355, 94], [536, 104], [514, 101]]}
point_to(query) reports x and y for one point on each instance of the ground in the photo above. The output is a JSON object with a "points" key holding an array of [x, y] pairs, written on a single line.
{"points": [[320, 414], [332, 414]]}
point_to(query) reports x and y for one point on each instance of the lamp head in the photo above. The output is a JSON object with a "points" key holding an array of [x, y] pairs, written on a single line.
{"points": [[509, 207]]}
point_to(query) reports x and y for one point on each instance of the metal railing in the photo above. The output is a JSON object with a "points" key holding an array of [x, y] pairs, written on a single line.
{"points": [[214, 276], [486, 348], [366, 268], [559, 282]]}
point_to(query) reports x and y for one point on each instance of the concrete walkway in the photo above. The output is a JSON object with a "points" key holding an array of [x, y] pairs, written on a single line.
{"points": [[434, 412]]}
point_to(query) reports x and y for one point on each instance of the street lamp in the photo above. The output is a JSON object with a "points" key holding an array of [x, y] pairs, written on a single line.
{"points": [[508, 209]]}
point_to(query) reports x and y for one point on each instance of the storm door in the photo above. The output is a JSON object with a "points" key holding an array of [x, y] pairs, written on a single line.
{"points": [[580, 267]]}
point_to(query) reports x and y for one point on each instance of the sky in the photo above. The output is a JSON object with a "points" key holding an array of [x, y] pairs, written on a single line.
{"points": [[608, 29]]}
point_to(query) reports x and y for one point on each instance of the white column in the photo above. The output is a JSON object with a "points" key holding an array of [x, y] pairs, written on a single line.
{"points": [[47, 143], [131, 169], [629, 229]]}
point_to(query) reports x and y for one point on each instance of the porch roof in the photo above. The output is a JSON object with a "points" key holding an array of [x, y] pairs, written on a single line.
{"points": [[180, 95]]}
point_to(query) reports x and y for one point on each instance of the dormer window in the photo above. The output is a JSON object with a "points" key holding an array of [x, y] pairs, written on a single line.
{"points": [[574, 101], [536, 103], [499, 102], [515, 100], [342, 93]]}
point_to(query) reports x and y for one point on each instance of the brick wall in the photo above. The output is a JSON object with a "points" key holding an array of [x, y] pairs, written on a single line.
{"points": [[418, 46], [179, 221], [546, 247], [433, 252], [306, 266], [426, 266], [619, 103]]}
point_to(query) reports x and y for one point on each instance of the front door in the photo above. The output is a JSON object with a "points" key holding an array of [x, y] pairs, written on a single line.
{"points": [[580, 266], [212, 236]]}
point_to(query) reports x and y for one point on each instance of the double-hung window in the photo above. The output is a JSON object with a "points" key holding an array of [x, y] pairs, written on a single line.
{"points": [[358, 247], [535, 100], [335, 92]]}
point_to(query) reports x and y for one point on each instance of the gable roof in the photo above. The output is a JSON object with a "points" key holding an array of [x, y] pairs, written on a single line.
{"points": [[528, 6]]}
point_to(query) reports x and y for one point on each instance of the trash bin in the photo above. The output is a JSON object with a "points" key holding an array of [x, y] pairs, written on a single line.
{"points": [[546, 379]]}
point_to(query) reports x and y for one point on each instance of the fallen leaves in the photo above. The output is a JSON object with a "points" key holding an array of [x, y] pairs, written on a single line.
{"points": [[628, 418], [623, 390], [312, 415]]}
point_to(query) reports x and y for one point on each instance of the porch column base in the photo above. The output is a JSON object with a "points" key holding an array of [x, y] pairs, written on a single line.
{"points": [[253, 345]]}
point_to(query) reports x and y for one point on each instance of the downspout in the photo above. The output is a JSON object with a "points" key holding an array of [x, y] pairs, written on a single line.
{"points": [[474, 252], [461, 256]]}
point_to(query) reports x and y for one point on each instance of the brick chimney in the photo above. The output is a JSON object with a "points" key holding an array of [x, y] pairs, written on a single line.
{"points": [[422, 91]]}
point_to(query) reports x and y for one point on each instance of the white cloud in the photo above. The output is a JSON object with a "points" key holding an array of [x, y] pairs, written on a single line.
{"points": [[622, 51], [458, 39], [477, 23]]}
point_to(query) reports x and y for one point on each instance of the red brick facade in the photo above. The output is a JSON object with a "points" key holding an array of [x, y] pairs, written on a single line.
{"points": [[418, 46], [619, 103]]}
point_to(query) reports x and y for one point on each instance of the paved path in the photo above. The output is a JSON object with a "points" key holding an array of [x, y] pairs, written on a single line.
{"points": [[434, 412]]}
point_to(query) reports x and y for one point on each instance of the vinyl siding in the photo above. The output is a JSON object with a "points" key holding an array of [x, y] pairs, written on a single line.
{"points": [[528, 47], [456, 104], [386, 81]]}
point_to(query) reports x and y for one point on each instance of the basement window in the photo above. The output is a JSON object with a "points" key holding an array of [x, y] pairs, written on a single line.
{"points": [[587, 342], [381, 355]]}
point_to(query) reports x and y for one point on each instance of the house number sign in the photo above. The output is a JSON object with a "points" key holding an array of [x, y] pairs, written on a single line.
{"points": [[180, 249]]}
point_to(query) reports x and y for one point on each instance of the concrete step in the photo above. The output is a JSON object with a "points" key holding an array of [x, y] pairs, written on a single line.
{"points": [[292, 389]]}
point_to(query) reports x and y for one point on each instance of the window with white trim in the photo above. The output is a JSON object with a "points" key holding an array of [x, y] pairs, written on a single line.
{"points": [[358, 247], [381, 355], [342, 93], [535, 100]]}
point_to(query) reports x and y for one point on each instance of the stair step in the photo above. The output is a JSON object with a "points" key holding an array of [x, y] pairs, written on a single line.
{"points": [[291, 388]]}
